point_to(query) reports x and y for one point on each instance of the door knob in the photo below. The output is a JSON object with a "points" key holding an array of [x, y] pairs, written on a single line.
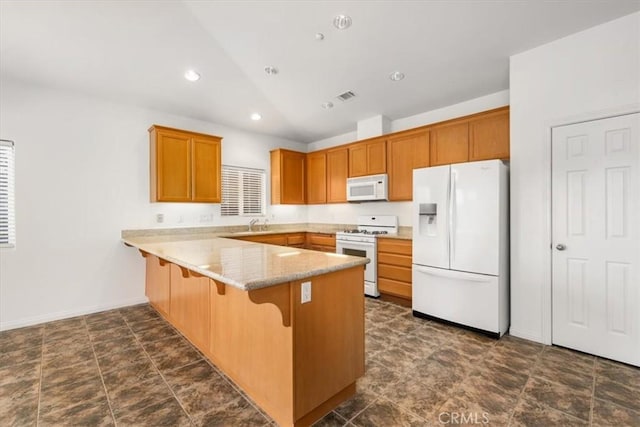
{"points": [[560, 247]]}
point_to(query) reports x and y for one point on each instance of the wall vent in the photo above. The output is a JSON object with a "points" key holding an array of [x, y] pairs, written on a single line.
{"points": [[346, 96]]}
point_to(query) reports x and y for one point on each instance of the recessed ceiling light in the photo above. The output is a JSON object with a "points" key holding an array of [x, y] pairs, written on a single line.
{"points": [[192, 76], [342, 22], [270, 70], [396, 76], [327, 105], [256, 116], [319, 37]]}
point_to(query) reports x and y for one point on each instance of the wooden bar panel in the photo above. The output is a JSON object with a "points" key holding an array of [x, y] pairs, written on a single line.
{"points": [[190, 306], [328, 334], [250, 344], [157, 284]]}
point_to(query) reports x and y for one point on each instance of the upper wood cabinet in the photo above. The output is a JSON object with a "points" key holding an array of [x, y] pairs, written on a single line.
{"points": [[185, 166], [317, 177], [337, 174], [450, 143], [368, 157], [406, 152], [489, 136], [287, 177]]}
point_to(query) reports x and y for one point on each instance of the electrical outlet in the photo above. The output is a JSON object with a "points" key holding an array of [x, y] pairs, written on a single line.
{"points": [[159, 218], [306, 292], [206, 217]]}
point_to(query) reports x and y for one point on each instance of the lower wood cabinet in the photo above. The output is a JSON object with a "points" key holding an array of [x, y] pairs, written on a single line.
{"points": [[271, 239], [323, 242], [296, 240], [394, 267]]}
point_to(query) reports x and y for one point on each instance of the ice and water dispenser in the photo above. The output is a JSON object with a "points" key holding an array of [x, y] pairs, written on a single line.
{"points": [[428, 214]]}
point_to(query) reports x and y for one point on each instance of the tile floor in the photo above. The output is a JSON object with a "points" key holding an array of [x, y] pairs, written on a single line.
{"points": [[128, 367]]}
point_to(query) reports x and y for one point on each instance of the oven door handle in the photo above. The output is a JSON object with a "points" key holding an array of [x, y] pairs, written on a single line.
{"points": [[352, 244]]}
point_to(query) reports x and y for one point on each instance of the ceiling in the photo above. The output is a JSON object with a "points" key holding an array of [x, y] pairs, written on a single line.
{"points": [[137, 52]]}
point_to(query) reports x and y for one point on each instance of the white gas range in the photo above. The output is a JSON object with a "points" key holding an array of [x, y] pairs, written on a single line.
{"points": [[362, 242]]}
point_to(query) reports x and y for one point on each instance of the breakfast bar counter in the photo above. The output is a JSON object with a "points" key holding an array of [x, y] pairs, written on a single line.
{"points": [[241, 304]]}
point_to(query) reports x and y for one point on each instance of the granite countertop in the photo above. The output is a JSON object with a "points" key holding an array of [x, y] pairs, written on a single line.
{"points": [[244, 265], [404, 233]]}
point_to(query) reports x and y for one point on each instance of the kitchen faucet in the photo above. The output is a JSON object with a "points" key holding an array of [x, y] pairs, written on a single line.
{"points": [[252, 223]]}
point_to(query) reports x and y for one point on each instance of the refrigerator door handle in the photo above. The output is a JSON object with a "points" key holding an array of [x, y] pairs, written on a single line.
{"points": [[452, 219], [450, 274]]}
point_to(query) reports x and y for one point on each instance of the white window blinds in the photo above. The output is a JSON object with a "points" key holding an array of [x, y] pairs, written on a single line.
{"points": [[7, 209], [243, 191]]}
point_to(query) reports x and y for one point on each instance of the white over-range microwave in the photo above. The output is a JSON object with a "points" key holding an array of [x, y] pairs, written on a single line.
{"points": [[367, 188]]}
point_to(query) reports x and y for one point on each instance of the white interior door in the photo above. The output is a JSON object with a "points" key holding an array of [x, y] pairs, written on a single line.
{"points": [[596, 237]]}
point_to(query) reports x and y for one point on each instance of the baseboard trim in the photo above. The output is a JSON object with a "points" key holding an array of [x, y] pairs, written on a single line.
{"points": [[526, 335], [30, 321]]}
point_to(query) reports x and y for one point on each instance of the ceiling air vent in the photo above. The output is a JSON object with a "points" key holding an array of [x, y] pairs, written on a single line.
{"points": [[346, 96]]}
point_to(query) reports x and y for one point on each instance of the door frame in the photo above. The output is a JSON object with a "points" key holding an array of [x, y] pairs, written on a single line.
{"points": [[547, 287]]}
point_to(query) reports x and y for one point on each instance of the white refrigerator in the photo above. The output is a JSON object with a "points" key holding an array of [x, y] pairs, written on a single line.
{"points": [[461, 244]]}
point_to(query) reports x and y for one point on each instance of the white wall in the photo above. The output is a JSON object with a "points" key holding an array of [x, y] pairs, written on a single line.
{"points": [[82, 175], [594, 73], [346, 213]]}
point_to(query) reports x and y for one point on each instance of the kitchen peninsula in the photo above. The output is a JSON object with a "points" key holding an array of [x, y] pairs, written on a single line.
{"points": [[240, 303]]}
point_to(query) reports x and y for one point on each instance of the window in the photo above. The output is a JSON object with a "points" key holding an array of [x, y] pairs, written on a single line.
{"points": [[7, 209], [243, 191]]}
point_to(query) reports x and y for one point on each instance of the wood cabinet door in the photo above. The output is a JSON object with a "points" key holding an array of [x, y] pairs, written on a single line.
{"points": [[288, 177], [206, 170], [489, 136], [317, 177], [358, 160], [296, 239], [337, 173], [157, 283], [293, 177], [173, 167], [421, 152], [376, 157], [450, 144], [322, 242], [368, 158], [405, 153]]}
